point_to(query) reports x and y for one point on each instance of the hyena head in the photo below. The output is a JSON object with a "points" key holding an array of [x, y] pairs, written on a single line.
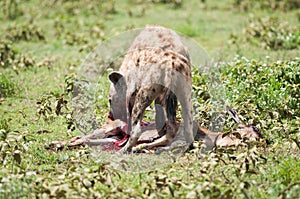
{"points": [[117, 97]]}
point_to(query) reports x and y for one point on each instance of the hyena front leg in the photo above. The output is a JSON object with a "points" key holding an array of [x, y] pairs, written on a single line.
{"points": [[184, 96], [143, 99], [160, 115]]}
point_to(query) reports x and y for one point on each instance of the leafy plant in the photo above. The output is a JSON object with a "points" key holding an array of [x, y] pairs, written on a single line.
{"points": [[7, 87], [51, 105], [270, 88], [44, 107], [270, 33], [47, 108], [173, 3], [69, 83], [10, 58], [10, 8], [22, 62], [4, 129], [74, 38], [282, 5], [26, 31], [82, 8], [7, 54]]}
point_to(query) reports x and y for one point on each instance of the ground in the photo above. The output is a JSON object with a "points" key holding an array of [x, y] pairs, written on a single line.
{"points": [[256, 45]]}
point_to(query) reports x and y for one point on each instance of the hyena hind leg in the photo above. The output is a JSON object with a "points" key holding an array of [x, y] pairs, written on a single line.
{"points": [[170, 127]]}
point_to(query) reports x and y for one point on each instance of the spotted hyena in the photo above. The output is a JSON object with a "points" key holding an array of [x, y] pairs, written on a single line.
{"points": [[156, 68]]}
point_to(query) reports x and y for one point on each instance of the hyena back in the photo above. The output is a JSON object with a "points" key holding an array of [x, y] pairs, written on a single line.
{"points": [[156, 68]]}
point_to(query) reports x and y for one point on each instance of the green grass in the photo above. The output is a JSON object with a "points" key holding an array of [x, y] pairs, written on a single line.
{"points": [[262, 84]]}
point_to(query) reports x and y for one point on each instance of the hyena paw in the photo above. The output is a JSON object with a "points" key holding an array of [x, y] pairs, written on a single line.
{"points": [[125, 150]]}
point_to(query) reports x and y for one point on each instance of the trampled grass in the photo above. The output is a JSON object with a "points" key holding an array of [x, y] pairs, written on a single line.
{"points": [[43, 44]]}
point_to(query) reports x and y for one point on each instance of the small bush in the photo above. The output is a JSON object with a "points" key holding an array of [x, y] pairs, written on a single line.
{"points": [[173, 3], [7, 54], [11, 8], [27, 32], [10, 58], [7, 88], [270, 33], [81, 8], [4, 129], [281, 5]]}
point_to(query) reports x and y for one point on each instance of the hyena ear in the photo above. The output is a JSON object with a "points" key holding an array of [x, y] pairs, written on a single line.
{"points": [[233, 114], [114, 77]]}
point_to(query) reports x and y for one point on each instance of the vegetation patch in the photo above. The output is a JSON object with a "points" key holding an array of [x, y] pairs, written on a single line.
{"points": [[7, 54], [7, 87], [26, 32], [272, 88], [270, 33], [10, 58], [282, 5]]}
